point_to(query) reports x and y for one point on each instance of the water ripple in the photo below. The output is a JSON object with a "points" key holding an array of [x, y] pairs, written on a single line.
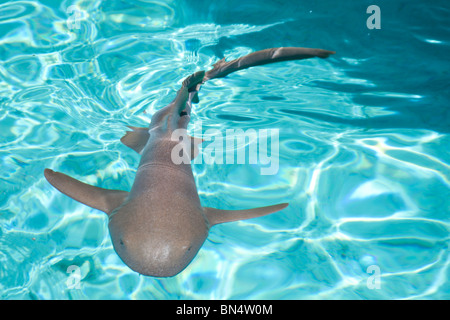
{"points": [[363, 157]]}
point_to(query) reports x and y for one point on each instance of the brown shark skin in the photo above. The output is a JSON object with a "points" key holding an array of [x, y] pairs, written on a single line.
{"points": [[162, 225], [262, 57], [159, 226]]}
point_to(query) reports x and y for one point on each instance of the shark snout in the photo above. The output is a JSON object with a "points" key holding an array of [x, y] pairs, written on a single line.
{"points": [[156, 257]]}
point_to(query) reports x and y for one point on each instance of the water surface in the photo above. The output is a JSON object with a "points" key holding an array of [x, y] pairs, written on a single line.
{"points": [[364, 136]]}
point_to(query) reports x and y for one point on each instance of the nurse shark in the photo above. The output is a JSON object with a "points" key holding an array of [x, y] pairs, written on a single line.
{"points": [[158, 227]]}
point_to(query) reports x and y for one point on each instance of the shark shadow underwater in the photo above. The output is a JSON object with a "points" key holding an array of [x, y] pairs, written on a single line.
{"points": [[159, 226]]}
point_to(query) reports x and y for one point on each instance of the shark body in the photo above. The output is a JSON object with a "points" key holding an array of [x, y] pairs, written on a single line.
{"points": [[158, 227]]}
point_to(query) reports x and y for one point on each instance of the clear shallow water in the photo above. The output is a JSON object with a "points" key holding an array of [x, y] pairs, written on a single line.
{"points": [[364, 138]]}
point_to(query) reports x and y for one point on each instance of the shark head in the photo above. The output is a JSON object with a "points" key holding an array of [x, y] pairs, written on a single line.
{"points": [[156, 247]]}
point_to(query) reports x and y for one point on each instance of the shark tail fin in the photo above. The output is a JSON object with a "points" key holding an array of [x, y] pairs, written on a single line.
{"points": [[136, 139], [193, 80], [98, 198], [262, 57], [323, 54], [216, 216]]}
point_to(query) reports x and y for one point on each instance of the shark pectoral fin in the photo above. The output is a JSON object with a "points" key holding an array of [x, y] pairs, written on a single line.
{"points": [[98, 198], [194, 146], [136, 139], [216, 216]]}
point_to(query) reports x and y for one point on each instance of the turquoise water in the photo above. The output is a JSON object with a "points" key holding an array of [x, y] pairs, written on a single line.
{"points": [[363, 157]]}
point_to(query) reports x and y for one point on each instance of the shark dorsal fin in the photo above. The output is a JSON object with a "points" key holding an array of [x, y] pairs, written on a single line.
{"points": [[219, 63], [216, 216], [98, 198], [137, 139]]}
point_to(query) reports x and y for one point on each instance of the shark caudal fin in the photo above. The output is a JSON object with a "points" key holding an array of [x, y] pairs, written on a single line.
{"points": [[193, 80], [222, 68], [216, 216], [193, 83], [98, 198]]}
